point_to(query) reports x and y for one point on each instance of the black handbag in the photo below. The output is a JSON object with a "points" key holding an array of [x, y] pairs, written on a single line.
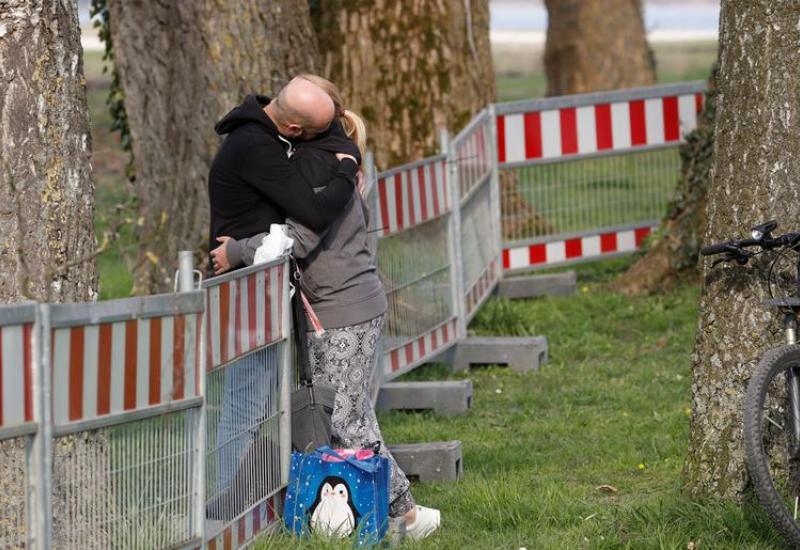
{"points": [[312, 404]]}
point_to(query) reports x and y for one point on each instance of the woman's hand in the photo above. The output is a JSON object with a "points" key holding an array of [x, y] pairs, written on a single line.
{"points": [[219, 257], [361, 183]]}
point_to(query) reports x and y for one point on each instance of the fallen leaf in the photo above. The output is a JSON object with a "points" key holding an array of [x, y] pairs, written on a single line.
{"points": [[607, 489]]}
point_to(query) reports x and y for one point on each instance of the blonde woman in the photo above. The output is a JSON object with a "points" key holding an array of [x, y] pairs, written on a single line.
{"points": [[340, 279]]}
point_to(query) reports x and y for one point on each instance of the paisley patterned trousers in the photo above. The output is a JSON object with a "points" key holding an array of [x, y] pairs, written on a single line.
{"points": [[345, 358]]}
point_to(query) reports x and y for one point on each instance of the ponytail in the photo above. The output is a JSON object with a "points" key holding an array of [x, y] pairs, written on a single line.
{"points": [[356, 130]]}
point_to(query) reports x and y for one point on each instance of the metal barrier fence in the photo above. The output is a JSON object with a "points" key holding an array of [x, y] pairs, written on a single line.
{"points": [[143, 423], [590, 175], [412, 213], [164, 422]]}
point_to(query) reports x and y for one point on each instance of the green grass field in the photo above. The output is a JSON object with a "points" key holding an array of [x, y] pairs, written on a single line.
{"points": [[609, 409]]}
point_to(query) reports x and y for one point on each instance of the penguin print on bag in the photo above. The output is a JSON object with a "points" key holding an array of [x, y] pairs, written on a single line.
{"points": [[333, 512]]}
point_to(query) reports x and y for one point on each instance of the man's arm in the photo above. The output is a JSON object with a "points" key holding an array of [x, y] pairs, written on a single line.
{"points": [[273, 175]]}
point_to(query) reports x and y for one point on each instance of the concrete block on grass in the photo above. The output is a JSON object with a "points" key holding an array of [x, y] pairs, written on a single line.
{"points": [[432, 461], [521, 353], [554, 284], [448, 396]]}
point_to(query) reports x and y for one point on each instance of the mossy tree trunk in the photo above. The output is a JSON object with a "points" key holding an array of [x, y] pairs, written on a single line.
{"points": [[46, 184], [47, 241], [597, 45], [671, 254], [408, 67], [182, 65], [754, 178]]}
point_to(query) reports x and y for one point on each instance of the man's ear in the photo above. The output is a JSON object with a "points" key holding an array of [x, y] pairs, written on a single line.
{"points": [[294, 130]]}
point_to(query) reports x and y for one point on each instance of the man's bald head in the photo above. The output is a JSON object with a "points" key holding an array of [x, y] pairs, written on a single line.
{"points": [[303, 109]]}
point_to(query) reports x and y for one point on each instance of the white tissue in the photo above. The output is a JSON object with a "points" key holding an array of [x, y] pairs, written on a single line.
{"points": [[274, 245]]}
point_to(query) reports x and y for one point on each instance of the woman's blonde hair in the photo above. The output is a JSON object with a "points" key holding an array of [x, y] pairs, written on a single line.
{"points": [[353, 124]]}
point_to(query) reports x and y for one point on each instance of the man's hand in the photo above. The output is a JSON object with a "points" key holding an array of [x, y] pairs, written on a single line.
{"points": [[219, 257], [342, 156]]}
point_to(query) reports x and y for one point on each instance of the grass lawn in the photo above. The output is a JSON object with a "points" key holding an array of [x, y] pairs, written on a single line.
{"points": [[610, 408]]}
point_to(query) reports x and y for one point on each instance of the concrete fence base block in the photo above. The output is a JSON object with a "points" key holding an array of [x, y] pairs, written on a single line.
{"points": [[449, 396], [433, 461], [523, 353], [554, 284]]}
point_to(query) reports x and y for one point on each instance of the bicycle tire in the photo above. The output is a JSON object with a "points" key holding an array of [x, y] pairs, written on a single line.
{"points": [[771, 364]]}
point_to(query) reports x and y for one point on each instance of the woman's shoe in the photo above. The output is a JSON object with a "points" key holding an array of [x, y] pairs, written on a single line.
{"points": [[427, 521]]}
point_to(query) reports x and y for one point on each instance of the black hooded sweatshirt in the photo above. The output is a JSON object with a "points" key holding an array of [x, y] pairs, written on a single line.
{"points": [[252, 184]]}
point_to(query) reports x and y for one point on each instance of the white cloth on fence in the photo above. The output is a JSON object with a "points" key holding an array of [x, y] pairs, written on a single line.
{"points": [[275, 244]]}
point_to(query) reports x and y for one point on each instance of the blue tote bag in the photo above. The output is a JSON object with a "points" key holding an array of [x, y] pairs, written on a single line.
{"points": [[338, 494]]}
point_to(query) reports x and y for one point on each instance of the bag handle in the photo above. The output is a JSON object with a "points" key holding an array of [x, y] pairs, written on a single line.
{"points": [[300, 328], [361, 465]]}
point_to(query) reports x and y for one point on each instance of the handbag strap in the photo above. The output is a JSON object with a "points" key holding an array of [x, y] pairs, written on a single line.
{"points": [[360, 464], [300, 326]]}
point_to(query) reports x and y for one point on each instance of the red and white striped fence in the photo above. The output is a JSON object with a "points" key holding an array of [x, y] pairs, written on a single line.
{"points": [[247, 311], [411, 194], [239, 533], [16, 366], [578, 248], [416, 351], [107, 367], [549, 129]]}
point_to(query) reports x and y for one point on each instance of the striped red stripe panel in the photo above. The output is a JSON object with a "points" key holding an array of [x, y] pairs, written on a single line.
{"points": [[416, 351], [16, 374], [244, 314], [571, 250], [263, 517], [482, 286], [411, 197], [594, 128], [110, 368], [472, 155]]}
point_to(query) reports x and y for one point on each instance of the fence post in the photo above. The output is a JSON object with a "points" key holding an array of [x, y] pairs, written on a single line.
{"points": [[40, 472], [456, 261], [186, 284], [287, 380], [496, 191]]}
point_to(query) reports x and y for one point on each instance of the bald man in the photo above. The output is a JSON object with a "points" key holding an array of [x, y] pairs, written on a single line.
{"points": [[252, 184]]}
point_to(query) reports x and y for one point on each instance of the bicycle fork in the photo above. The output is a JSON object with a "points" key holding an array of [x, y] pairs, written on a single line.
{"points": [[793, 387]]}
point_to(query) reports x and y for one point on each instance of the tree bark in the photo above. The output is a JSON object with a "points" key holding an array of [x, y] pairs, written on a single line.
{"points": [[597, 45], [755, 170], [671, 255], [46, 185], [408, 67], [182, 66], [47, 238]]}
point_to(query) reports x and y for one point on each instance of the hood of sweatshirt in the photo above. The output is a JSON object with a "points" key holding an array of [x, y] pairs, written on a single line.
{"points": [[251, 110]]}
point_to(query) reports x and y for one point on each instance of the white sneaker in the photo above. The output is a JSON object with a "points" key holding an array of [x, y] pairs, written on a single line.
{"points": [[427, 521]]}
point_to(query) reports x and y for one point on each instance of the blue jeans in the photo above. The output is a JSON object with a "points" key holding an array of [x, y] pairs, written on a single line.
{"points": [[250, 395]]}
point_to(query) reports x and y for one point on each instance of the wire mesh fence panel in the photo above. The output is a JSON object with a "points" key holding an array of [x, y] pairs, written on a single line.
{"points": [[479, 247], [243, 462], [589, 175], [414, 266], [579, 195], [13, 493], [127, 486]]}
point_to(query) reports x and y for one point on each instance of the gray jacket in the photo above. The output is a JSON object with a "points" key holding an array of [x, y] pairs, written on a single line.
{"points": [[339, 275]]}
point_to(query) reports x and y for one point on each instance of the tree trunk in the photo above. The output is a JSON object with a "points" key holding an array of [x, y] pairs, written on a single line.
{"points": [[182, 66], [597, 45], [47, 239], [755, 170], [46, 185], [408, 67], [671, 256]]}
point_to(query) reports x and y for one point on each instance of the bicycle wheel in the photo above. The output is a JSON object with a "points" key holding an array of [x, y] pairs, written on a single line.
{"points": [[769, 438]]}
